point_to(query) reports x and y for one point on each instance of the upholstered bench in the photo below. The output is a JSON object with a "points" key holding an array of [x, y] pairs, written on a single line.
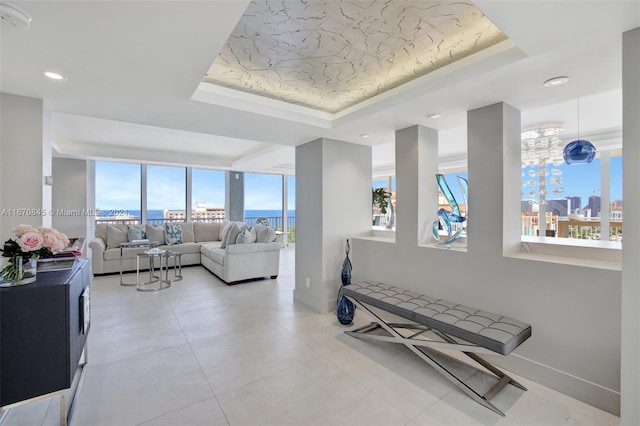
{"points": [[458, 327]]}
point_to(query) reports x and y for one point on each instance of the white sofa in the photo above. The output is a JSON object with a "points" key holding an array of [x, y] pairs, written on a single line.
{"points": [[202, 243]]}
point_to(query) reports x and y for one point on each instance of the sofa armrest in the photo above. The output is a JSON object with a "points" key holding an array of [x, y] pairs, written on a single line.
{"points": [[252, 248], [98, 247]]}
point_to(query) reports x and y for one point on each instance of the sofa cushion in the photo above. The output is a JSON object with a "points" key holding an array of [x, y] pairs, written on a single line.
{"points": [[205, 231], [206, 248], [173, 233], [136, 232], [224, 225], [187, 232], [184, 248], [101, 231], [156, 233], [264, 234], [217, 255], [116, 234]]}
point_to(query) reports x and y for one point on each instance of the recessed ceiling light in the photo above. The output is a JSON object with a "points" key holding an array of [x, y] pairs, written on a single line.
{"points": [[14, 16], [365, 135], [556, 81], [53, 75], [434, 115]]}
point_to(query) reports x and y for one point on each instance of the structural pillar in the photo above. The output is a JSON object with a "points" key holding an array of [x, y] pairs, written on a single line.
{"points": [[630, 321], [333, 204]]}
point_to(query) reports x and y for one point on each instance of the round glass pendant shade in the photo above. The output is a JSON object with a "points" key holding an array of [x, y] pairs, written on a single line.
{"points": [[579, 152]]}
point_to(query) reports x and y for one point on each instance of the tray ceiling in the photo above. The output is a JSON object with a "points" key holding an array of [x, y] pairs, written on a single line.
{"points": [[330, 55]]}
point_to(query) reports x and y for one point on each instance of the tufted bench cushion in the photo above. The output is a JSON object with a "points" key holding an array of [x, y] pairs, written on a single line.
{"points": [[495, 332]]}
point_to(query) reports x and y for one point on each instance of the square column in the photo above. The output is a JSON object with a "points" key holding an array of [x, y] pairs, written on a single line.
{"points": [[333, 203], [493, 138], [417, 197]]}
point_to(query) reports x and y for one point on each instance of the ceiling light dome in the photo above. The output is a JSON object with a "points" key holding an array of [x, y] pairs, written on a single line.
{"points": [[556, 81], [14, 16]]}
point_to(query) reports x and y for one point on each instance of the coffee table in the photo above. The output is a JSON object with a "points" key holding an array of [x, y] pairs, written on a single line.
{"points": [[151, 254], [134, 244]]}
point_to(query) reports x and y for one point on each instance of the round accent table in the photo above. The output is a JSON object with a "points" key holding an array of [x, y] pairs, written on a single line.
{"points": [[148, 285]]}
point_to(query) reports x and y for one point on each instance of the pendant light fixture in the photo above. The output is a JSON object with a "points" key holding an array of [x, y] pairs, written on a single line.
{"points": [[580, 151]]}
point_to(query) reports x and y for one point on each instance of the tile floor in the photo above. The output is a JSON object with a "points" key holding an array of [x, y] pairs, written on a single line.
{"points": [[203, 353]]}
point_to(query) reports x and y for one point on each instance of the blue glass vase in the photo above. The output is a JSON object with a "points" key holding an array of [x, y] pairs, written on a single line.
{"points": [[345, 309]]}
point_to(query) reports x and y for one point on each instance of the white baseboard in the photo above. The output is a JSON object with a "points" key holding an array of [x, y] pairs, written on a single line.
{"points": [[320, 306], [588, 392]]}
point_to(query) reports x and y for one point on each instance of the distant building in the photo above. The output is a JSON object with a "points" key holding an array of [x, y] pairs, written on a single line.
{"points": [[594, 205], [576, 203], [559, 207], [201, 213]]}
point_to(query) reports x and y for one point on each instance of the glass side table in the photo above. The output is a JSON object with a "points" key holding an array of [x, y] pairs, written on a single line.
{"points": [[177, 265], [151, 254], [134, 244]]}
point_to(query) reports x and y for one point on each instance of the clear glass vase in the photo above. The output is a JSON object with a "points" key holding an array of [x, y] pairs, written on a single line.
{"points": [[17, 271]]}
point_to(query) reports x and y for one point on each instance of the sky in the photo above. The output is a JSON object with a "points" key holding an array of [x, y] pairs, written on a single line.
{"points": [[118, 187]]}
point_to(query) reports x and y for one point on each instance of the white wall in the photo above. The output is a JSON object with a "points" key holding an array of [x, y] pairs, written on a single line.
{"points": [[26, 155], [630, 410], [574, 311], [333, 203], [70, 197]]}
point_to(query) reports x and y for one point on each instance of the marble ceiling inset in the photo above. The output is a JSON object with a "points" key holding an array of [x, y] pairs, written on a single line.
{"points": [[329, 55]]}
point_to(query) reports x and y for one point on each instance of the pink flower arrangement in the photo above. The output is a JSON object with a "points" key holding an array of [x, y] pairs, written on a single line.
{"points": [[34, 242]]}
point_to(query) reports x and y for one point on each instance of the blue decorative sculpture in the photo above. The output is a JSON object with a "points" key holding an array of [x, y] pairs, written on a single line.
{"points": [[345, 309], [579, 151], [445, 218]]}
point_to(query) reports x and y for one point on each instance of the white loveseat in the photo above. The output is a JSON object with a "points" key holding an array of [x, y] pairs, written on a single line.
{"points": [[202, 243]]}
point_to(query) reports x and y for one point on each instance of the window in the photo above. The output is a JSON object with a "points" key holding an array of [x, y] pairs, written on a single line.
{"points": [[118, 192], [291, 208], [207, 195], [578, 201], [263, 198], [384, 210], [166, 194]]}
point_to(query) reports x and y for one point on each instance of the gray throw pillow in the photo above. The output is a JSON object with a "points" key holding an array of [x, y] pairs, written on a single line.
{"points": [[187, 232], [232, 234], [156, 233], [115, 236], [264, 234]]}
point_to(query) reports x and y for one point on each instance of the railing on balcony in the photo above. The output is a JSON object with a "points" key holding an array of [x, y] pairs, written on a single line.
{"points": [[562, 227]]}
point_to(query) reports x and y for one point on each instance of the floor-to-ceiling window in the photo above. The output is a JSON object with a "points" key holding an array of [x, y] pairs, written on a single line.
{"points": [[118, 195], [166, 194], [263, 198], [207, 195], [291, 208]]}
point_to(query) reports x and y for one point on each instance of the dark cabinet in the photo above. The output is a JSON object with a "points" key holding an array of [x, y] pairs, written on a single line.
{"points": [[44, 327]]}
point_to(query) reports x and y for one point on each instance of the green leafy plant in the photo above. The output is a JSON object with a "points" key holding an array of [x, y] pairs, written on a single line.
{"points": [[380, 198]]}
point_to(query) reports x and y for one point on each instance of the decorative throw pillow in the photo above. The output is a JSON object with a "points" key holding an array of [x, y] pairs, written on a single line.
{"points": [[136, 233], [251, 238], [187, 232], [173, 233], [156, 233], [264, 234], [246, 237], [231, 235], [116, 236], [224, 227]]}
